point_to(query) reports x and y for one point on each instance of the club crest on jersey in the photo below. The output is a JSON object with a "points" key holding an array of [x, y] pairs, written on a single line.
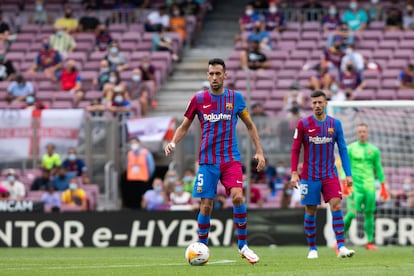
{"points": [[369, 152], [199, 189], [229, 106], [331, 130]]}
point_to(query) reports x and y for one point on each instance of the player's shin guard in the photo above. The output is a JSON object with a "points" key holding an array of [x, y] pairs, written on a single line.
{"points": [[240, 222], [310, 231], [338, 227], [369, 226], [203, 228]]}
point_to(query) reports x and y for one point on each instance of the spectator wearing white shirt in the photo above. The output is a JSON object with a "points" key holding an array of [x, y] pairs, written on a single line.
{"points": [[157, 20], [408, 19], [180, 199], [19, 89], [16, 189], [356, 58]]}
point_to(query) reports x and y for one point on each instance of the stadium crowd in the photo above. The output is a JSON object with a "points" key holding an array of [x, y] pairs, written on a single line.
{"points": [[108, 60]]}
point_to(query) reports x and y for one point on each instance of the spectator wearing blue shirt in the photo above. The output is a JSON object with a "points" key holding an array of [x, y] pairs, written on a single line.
{"points": [[247, 20], [262, 36], [355, 18], [61, 180], [52, 199], [19, 89], [406, 77]]}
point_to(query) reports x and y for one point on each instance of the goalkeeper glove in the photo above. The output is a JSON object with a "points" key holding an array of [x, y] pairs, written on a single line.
{"points": [[346, 190], [383, 192]]}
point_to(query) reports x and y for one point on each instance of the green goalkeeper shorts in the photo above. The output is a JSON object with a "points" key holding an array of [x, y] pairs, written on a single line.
{"points": [[362, 201]]}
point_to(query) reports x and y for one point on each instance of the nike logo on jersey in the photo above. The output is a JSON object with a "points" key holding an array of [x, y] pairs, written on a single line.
{"points": [[206, 106], [311, 130], [238, 181]]}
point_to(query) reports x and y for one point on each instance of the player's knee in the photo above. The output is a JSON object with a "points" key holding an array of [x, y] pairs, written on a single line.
{"points": [[237, 199], [205, 209]]}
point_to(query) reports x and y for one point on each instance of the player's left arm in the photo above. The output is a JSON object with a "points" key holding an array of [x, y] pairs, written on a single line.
{"points": [[380, 174], [343, 152], [251, 128]]}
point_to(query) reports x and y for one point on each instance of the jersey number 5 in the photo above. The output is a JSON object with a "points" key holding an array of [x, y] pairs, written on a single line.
{"points": [[200, 179]]}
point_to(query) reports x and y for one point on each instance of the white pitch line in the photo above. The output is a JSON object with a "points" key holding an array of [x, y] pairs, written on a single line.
{"points": [[107, 266]]}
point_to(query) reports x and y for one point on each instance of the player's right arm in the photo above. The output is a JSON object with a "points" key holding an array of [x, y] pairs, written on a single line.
{"points": [[295, 153]]}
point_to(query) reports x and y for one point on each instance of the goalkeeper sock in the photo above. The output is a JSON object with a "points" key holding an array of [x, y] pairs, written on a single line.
{"points": [[310, 231], [350, 215], [338, 227], [240, 222], [203, 228], [369, 225]]}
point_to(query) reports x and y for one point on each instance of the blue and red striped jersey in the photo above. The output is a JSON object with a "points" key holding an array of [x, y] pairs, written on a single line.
{"points": [[218, 115], [318, 139]]}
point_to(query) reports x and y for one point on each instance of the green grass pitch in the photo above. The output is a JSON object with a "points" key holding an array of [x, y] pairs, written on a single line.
{"points": [[224, 261]]}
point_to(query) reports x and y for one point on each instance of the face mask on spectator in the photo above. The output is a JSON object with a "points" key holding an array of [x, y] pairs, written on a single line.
{"points": [[171, 179], [280, 170], [30, 99], [334, 88], [134, 146], [353, 5], [72, 157], [59, 33], [113, 50], [39, 8], [178, 189], [119, 99], [112, 79], [406, 187], [176, 13], [145, 65], [273, 9], [245, 184], [136, 78], [249, 12], [73, 186], [332, 11], [188, 178], [374, 1], [348, 51], [158, 189], [10, 178]]}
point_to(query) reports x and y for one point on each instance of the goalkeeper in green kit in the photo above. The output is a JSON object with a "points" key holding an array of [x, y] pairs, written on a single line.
{"points": [[366, 166]]}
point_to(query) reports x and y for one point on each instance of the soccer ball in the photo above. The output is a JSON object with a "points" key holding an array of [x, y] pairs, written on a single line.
{"points": [[197, 253]]}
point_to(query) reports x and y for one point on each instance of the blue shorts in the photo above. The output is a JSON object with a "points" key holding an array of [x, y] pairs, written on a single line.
{"points": [[230, 175], [311, 190]]}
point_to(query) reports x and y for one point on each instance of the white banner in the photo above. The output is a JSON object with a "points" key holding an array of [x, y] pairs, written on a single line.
{"points": [[60, 127], [150, 129]]}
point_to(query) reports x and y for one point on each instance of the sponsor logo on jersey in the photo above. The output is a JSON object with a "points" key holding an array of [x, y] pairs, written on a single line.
{"points": [[216, 117], [320, 140]]}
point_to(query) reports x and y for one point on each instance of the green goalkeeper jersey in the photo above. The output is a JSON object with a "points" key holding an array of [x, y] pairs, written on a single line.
{"points": [[365, 166]]}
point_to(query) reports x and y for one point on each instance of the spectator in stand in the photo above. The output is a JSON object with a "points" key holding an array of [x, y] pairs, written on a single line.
{"points": [[294, 97], [7, 71], [355, 57], [374, 11], [75, 196], [170, 178], [104, 75], [139, 91], [51, 160], [191, 8], [406, 77], [120, 105], [331, 22], [96, 108], [114, 83], [347, 36], [40, 15], [5, 32], [161, 41], [155, 198], [124, 11], [52, 199], [408, 19], [311, 11], [188, 180], [42, 182], [68, 22], [19, 89], [274, 19], [180, 199], [62, 42], [335, 94], [333, 55], [48, 61], [258, 110], [148, 74], [355, 17], [103, 39], [178, 21], [15, 188], [351, 79], [116, 59], [394, 17], [255, 194], [71, 81], [260, 35], [32, 103], [157, 19], [61, 180], [404, 197], [254, 59], [323, 79], [247, 20], [89, 22], [75, 166]]}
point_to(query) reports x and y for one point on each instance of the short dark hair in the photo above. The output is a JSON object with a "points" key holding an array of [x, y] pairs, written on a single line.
{"points": [[217, 61], [318, 93]]}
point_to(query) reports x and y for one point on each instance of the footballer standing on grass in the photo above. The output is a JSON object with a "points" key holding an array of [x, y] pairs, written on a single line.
{"points": [[218, 110]]}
